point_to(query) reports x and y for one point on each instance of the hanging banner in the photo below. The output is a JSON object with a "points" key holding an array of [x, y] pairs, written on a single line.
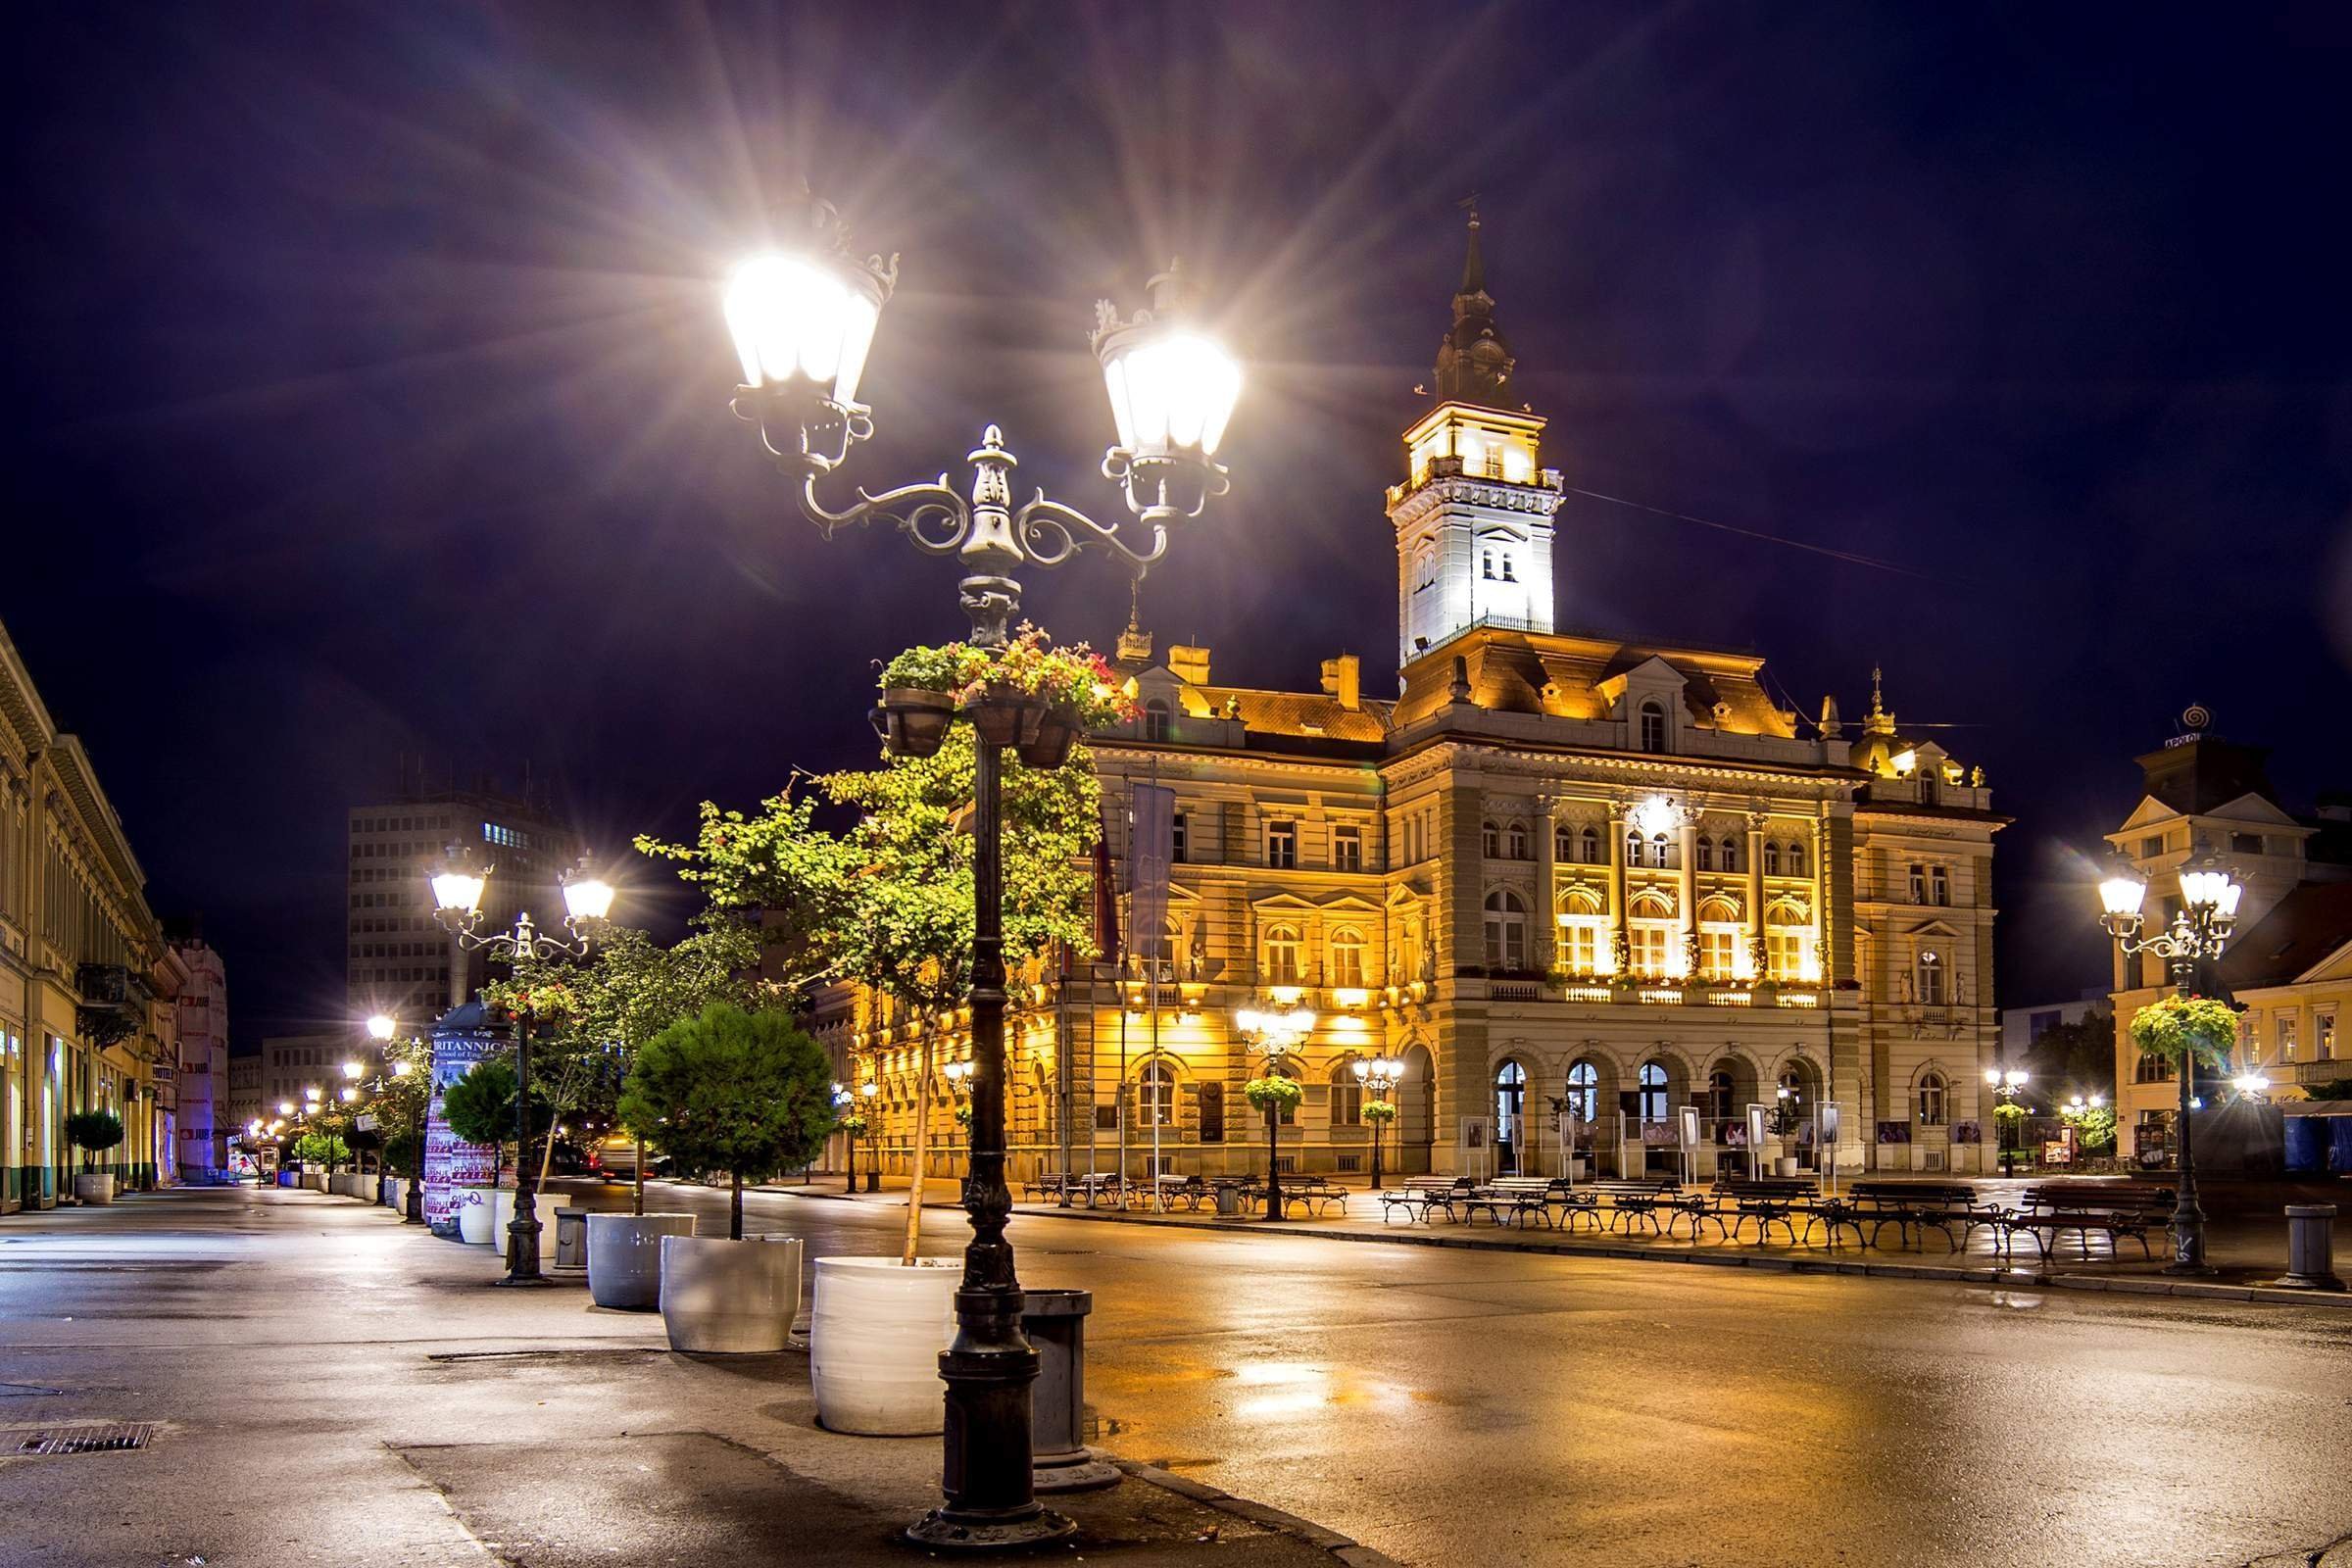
{"points": [[1150, 842]]}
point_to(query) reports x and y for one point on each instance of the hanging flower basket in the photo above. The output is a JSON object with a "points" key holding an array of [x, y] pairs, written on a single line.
{"points": [[1028, 694], [2175, 1026], [1057, 733], [1379, 1111], [1004, 716], [912, 722], [1273, 1092]]}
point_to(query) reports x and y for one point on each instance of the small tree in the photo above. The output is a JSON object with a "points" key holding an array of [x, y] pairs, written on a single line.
{"points": [[480, 1107], [93, 1132], [744, 1093], [399, 1102], [316, 1148]]}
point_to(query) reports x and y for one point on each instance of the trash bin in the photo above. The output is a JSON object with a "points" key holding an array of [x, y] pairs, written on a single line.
{"points": [[1055, 1323], [1229, 1197], [571, 1238], [2310, 1248]]}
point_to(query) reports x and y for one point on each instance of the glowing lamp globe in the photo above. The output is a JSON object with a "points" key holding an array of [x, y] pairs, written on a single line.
{"points": [[2122, 895], [352, 1069], [2203, 890], [796, 319], [587, 896], [458, 888], [1169, 391], [382, 1026]]}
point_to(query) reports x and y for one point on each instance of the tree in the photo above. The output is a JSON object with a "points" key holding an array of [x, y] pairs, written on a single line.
{"points": [[743, 1093], [479, 1105], [595, 1013], [889, 902], [2079, 1056], [316, 1147], [93, 1132], [398, 1101]]}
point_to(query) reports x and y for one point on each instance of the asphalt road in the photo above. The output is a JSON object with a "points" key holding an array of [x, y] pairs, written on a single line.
{"points": [[1444, 1407]]}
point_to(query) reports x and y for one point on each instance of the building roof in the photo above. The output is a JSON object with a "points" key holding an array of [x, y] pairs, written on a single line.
{"points": [[2200, 774], [2302, 929]]}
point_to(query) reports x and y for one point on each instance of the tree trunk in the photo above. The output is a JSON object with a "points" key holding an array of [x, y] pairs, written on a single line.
{"points": [[547, 1152], [914, 1186], [637, 1182], [734, 1205]]}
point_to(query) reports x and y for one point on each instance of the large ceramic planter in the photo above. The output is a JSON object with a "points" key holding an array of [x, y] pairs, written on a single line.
{"points": [[93, 1188], [912, 722], [502, 1215], [730, 1297], [470, 1207], [875, 1338], [624, 1258]]}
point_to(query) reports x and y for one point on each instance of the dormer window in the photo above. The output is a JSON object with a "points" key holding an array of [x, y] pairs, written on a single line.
{"points": [[1653, 720], [1156, 719]]}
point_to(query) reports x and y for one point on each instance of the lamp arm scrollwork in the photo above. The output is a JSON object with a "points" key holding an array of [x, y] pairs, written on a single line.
{"points": [[932, 514]]}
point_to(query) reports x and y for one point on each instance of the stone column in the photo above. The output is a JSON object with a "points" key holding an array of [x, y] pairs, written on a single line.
{"points": [[1755, 892], [1821, 908], [1547, 913], [1687, 846], [1619, 947]]}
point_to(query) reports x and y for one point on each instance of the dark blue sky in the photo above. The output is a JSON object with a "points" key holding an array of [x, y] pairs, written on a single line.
{"points": [[366, 391]]}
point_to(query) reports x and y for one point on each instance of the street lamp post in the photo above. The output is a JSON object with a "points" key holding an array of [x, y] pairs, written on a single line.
{"points": [[458, 897], [381, 1028], [2005, 1084], [2198, 933], [1380, 1074], [1274, 1034], [803, 324]]}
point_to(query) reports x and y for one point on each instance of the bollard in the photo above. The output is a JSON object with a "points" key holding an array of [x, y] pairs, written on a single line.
{"points": [[1055, 1323], [571, 1238], [2310, 1248]]}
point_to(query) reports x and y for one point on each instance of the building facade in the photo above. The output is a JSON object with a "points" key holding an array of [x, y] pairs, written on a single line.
{"points": [[1579, 884], [399, 958], [203, 1121], [244, 1093], [86, 1019], [2290, 961]]}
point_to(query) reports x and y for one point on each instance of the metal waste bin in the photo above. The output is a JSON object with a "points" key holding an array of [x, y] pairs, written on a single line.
{"points": [[571, 1238], [1229, 1197], [1055, 1323], [2310, 1248]]}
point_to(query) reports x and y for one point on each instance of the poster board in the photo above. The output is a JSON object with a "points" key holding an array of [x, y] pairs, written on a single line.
{"points": [[1474, 1149]]}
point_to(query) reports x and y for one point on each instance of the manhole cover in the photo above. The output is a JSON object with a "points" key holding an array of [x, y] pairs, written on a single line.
{"points": [[94, 1437]]}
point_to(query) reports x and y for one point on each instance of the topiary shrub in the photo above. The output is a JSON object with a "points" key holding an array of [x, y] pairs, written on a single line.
{"points": [[93, 1132]]}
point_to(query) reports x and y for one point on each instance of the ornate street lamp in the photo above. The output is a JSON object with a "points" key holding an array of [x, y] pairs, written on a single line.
{"points": [[2198, 933], [1381, 1075], [2005, 1084], [587, 900], [803, 324], [1274, 1034]]}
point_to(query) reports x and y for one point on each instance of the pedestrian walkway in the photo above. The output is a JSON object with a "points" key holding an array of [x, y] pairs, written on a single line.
{"points": [[375, 1398]]}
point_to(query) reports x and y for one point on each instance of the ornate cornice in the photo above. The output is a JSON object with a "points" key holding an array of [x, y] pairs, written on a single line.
{"points": [[1443, 490]]}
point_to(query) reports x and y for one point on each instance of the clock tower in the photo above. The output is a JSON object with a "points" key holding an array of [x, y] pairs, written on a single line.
{"points": [[1473, 518]]}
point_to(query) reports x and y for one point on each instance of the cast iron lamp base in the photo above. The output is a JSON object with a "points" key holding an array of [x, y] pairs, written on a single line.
{"points": [[947, 1530]]}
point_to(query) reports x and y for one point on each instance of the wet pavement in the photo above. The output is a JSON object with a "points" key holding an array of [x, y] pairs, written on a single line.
{"points": [[1441, 1405]]}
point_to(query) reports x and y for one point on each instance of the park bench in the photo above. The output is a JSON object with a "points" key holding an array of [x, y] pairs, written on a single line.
{"points": [[1926, 1205], [1631, 1202], [1044, 1188], [1313, 1194], [1511, 1199], [1769, 1200], [2114, 1208], [1421, 1194], [1167, 1188]]}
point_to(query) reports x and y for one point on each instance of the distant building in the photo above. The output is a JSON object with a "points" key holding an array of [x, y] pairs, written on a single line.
{"points": [[2289, 960], [244, 1091], [1577, 882], [290, 1064], [204, 1124], [398, 957], [2021, 1026], [86, 1022]]}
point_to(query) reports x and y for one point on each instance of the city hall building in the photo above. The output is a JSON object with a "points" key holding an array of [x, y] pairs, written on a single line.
{"points": [[1577, 883]]}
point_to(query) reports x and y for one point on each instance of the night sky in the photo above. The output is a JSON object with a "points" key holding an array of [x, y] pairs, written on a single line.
{"points": [[366, 392]]}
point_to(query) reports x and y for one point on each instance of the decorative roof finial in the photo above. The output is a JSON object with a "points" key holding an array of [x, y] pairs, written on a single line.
{"points": [[1880, 721], [1134, 643], [1474, 267], [1473, 362]]}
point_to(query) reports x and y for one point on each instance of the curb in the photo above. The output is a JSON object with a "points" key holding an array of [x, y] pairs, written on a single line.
{"points": [[2131, 1284], [1350, 1553]]}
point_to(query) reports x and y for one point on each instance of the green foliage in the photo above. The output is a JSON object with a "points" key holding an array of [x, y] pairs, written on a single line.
{"points": [[2081, 1055], [1273, 1091], [1379, 1111], [479, 1105], [93, 1132], [398, 1100], [2094, 1127], [742, 1094], [2330, 1089], [964, 1115], [2010, 1111], [404, 1152], [852, 1124], [1075, 678], [316, 1148], [889, 900], [937, 669], [2173, 1027]]}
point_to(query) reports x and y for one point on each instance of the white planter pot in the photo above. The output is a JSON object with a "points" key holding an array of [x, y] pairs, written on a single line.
{"points": [[472, 1206], [316, 1181], [875, 1338], [93, 1188], [624, 1258], [502, 1215], [1785, 1165], [730, 1297]]}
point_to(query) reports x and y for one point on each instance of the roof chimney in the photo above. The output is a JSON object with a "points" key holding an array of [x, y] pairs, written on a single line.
{"points": [[1342, 677], [1187, 663]]}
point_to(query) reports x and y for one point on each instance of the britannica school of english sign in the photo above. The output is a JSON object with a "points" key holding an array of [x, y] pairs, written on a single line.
{"points": [[463, 1036]]}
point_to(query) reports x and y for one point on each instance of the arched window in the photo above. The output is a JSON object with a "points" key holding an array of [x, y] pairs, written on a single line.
{"points": [[1706, 854], [1347, 1095], [1514, 841], [1796, 859], [1156, 1100], [2152, 1069], [1731, 853], [1930, 978], [1652, 1099], [1719, 1095], [1654, 726], [1510, 1104], [1348, 957], [1589, 843], [1489, 841], [1584, 1091], [1660, 851], [1563, 842], [1506, 930], [1632, 845], [1772, 856], [1282, 955], [1931, 1099], [1156, 719]]}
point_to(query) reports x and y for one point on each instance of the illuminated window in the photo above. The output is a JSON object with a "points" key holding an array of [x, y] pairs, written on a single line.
{"points": [[1660, 851], [1716, 947], [1584, 1091], [1282, 845], [2323, 1037], [1157, 1104], [1282, 955], [1579, 948], [1931, 1099], [1347, 950], [1347, 1095], [1647, 945], [1930, 978], [1652, 1082], [1347, 848]]}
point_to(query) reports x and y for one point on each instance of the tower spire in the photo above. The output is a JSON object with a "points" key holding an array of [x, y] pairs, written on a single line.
{"points": [[1474, 363], [1880, 721]]}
